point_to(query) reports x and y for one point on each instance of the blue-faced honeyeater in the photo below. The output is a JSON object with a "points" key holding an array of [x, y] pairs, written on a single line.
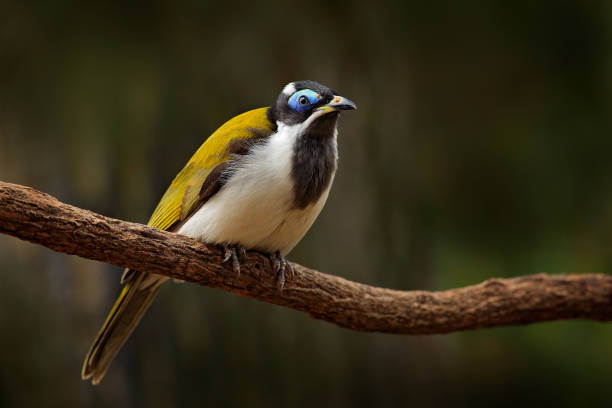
{"points": [[258, 182]]}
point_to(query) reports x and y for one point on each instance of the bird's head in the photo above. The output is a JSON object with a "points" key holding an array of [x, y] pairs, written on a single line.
{"points": [[308, 103]]}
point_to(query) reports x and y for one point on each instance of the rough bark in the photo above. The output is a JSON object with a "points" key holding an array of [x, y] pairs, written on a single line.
{"points": [[39, 218]]}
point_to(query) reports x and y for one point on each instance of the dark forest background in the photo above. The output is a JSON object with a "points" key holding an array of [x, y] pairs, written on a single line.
{"points": [[481, 148]]}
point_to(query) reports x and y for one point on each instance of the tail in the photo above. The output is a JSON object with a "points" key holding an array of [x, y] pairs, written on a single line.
{"points": [[129, 308]]}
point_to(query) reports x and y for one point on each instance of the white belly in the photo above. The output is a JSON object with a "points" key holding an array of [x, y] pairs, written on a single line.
{"points": [[255, 208]]}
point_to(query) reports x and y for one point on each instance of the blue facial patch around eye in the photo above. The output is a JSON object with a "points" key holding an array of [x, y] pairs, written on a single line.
{"points": [[303, 100]]}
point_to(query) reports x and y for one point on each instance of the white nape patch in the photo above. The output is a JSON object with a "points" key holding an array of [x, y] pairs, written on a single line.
{"points": [[289, 89], [255, 208]]}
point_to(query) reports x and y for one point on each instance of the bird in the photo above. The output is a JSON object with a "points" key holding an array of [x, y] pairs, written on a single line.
{"points": [[258, 182]]}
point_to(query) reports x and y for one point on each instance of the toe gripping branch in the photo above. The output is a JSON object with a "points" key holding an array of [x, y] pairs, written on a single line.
{"points": [[230, 253], [280, 265], [278, 262]]}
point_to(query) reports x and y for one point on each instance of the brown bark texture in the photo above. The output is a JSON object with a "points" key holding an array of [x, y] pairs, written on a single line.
{"points": [[40, 218]]}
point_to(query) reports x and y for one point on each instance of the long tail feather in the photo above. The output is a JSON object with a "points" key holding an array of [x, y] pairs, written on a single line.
{"points": [[129, 308]]}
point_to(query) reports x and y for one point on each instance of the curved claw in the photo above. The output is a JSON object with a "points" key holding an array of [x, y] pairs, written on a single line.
{"points": [[230, 253], [280, 265]]}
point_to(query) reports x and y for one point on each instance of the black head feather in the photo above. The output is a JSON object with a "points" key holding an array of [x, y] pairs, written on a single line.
{"points": [[282, 112]]}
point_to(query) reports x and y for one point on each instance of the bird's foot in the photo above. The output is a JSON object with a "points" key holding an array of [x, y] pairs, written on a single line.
{"points": [[230, 253], [280, 265]]}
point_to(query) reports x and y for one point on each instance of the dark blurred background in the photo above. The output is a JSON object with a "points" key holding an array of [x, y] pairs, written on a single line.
{"points": [[481, 148]]}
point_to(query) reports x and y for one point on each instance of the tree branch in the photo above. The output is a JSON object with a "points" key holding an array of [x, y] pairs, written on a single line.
{"points": [[37, 217]]}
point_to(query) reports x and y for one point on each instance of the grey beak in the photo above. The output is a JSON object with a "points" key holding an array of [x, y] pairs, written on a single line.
{"points": [[338, 103]]}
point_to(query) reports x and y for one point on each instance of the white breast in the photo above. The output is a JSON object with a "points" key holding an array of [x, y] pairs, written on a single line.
{"points": [[255, 208]]}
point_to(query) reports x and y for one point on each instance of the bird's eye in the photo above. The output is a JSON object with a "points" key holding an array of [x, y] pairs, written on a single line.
{"points": [[303, 100]]}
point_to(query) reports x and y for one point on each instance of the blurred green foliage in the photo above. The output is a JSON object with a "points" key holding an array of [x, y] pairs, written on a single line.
{"points": [[481, 148]]}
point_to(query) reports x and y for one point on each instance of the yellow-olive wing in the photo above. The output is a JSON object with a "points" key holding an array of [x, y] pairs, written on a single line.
{"points": [[183, 195]]}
